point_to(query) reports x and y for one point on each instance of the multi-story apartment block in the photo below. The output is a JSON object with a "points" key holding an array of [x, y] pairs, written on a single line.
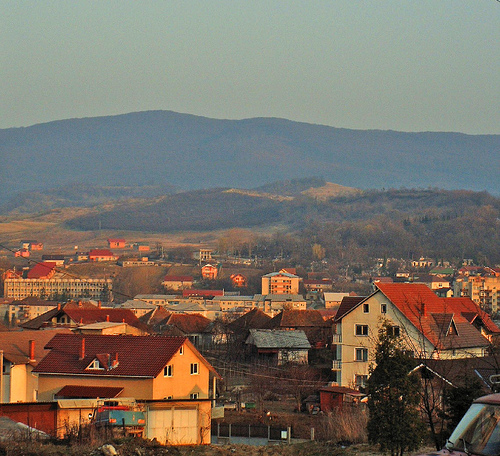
{"points": [[280, 283], [46, 282], [483, 290]]}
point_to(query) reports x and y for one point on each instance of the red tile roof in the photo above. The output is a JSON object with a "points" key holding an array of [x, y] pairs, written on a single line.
{"points": [[179, 278], [425, 311], [188, 323], [138, 356], [85, 313], [297, 319], [253, 319], [101, 253], [41, 270]]}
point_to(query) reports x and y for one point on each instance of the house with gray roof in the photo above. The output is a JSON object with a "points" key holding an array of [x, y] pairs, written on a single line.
{"points": [[277, 346]]}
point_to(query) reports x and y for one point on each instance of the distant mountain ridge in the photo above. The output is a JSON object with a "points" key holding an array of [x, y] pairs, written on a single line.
{"points": [[158, 148]]}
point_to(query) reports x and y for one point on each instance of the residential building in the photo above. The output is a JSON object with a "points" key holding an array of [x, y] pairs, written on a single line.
{"points": [[280, 283], [46, 282], [102, 255], [209, 272], [21, 353], [484, 290], [317, 285], [20, 311], [432, 327], [317, 330], [238, 280], [145, 367], [333, 299], [164, 371], [177, 282], [73, 315], [116, 243], [279, 346], [156, 299], [58, 260]]}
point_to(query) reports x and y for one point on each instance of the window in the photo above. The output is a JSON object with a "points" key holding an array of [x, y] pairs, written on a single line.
{"points": [[394, 331], [361, 330], [193, 396], [181, 350], [168, 371], [383, 308], [194, 369], [362, 354], [366, 308], [95, 365], [361, 380]]}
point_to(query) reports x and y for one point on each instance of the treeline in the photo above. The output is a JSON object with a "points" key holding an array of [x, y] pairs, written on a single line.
{"points": [[400, 223]]}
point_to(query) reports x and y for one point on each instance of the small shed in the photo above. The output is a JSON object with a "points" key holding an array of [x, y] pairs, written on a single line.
{"points": [[281, 346], [335, 397]]}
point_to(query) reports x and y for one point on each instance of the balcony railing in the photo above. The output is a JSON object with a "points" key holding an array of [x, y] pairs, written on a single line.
{"points": [[336, 338], [336, 365]]}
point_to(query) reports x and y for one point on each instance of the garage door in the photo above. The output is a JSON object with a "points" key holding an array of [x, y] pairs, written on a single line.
{"points": [[178, 426]]}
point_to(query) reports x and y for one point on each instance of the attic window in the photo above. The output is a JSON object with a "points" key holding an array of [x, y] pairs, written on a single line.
{"points": [[95, 365], [181, 350]]}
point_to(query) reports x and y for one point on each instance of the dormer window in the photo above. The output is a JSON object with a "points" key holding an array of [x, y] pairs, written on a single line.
{"points": [[95, 365]]}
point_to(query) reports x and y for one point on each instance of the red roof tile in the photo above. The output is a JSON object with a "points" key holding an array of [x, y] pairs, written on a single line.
{"points": [[101, 253], [41, 270], [142, 356], [420, 304]]}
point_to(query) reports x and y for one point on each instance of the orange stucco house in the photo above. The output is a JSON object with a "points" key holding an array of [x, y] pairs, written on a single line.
{"points": [[165, 372]]}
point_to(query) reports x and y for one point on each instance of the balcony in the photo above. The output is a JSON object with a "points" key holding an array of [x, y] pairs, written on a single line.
{"points": [[336, 338], [336, 365]]}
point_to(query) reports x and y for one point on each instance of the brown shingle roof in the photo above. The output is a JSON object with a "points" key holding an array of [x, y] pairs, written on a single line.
{"points": [[138, 356], [253, 319], [297, 319]]}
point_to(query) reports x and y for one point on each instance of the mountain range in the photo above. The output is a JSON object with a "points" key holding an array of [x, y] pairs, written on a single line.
{"points": [[165, 150]]}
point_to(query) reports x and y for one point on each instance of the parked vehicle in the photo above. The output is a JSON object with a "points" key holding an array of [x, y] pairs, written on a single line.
{"points": [[478, 432], [122, 413]]}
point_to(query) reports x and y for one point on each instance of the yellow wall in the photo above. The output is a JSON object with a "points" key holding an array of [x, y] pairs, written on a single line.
{"points": [[180, 386], [49, 385], [182, 383], [373, 318]]}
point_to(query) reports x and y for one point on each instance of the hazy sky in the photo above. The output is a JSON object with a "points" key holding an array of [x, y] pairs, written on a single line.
{"points": [[403, 65]]}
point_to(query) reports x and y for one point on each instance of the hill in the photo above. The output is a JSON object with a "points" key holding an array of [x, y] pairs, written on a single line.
{"points": [[155, 148], [402, 223]]}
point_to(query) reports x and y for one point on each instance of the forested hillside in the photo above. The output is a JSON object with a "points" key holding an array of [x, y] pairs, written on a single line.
{"points": [[398, 223]]}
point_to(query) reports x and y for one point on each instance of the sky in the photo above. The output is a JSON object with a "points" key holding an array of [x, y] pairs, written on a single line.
{"points": [[421, 65]]}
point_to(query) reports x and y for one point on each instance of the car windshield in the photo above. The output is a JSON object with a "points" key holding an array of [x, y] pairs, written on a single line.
{"points": [[478, 432]]}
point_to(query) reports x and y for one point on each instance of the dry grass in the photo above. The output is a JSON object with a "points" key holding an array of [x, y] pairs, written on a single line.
{"points": [[346, 426]]}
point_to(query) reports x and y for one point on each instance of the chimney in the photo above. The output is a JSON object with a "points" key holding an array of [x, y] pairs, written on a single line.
{"points": [[80, 304], [98, 304], [107, 317], [115, 361], [58, 306], [82, 349], [31, 350]]}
